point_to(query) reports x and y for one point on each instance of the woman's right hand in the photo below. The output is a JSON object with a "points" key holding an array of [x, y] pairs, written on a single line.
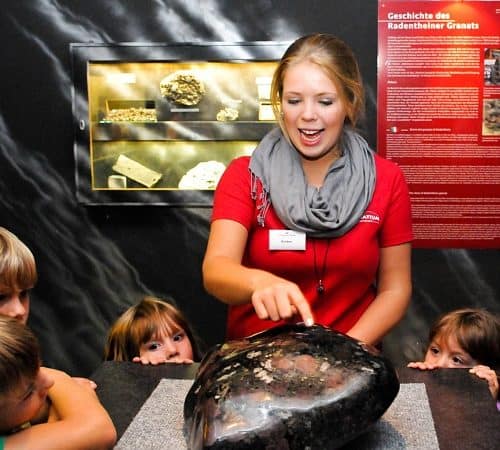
{"points": [[281, 301], [225, 277]]}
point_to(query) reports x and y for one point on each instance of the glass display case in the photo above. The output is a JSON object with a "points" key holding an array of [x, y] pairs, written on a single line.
{"points": [[159, 123]]}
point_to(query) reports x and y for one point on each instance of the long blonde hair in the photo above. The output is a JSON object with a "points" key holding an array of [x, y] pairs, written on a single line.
{"points": [[338, 62], [17, 263], [139, 323]]}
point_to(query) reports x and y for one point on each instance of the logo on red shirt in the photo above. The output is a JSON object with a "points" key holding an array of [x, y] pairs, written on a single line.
{"points": [[370, 217]]}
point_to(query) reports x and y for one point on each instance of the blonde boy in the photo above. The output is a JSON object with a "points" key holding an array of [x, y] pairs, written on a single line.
{"points": [[42, 408]]}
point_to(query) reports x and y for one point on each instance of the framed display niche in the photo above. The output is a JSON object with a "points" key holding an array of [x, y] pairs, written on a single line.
{"points": [[158, 123]]}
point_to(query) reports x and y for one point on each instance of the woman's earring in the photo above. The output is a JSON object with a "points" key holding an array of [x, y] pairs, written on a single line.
{"points": [[282, 114]]}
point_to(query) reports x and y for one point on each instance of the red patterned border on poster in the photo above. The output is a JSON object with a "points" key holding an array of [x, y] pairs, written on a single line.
{"points": [[439, 115]]}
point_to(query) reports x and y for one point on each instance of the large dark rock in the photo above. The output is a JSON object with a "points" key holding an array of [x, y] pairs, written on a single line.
{"points": [[290, 387]]}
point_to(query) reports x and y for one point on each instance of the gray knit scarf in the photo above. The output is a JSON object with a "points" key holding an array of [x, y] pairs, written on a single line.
{"points": [[329, 211]]}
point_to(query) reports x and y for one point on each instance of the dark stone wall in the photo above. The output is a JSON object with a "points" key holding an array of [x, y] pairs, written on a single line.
{"points": [[94, 260]]}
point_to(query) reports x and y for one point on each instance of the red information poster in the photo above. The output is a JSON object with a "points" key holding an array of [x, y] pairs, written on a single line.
{"points": [[439, 115]]}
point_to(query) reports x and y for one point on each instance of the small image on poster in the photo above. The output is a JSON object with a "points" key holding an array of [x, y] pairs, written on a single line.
{"points": [[439, 115]]}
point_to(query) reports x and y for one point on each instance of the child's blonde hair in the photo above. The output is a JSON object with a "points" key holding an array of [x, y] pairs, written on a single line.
{"points": [[17, 263], [19, 354], [477, 331], [140, 323]]}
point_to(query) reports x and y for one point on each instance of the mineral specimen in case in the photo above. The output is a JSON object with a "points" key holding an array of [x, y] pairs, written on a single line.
{"points": [[290, 387]]}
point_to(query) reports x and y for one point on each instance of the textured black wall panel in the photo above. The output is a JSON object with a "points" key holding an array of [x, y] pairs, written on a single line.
{"points": [[94, 261]]}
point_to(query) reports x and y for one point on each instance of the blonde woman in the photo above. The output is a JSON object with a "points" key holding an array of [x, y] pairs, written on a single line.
{"points": [[314, 226]]}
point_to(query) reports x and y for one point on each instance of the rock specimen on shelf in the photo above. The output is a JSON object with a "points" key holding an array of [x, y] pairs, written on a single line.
{"points": [[291, 387], [182, 87], [205, 175], [136, 171]]}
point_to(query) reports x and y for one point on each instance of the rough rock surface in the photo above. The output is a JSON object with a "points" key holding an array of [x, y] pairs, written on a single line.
{"points": [[291, 387]]}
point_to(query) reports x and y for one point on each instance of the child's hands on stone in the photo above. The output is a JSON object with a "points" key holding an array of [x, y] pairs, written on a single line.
{"points": [[422, 365], [489, 375], [160, 359], [85, 382]]}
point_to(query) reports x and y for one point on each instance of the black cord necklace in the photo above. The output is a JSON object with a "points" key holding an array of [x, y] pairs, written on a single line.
{"points": [[320, 287]]}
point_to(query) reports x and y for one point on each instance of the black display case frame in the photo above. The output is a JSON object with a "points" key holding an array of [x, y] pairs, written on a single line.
{"points": [[206, 133]]}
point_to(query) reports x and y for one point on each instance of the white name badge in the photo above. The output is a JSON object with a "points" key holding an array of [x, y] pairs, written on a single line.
{"points": [[287, 240]]}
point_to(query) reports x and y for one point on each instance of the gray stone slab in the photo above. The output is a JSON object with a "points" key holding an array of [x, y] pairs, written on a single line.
{"points": [[406, 425]]}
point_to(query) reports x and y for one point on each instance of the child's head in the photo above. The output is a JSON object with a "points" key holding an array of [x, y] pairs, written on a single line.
{"points": [[17, 276], [465, 338], [152, 325], [23, 386]]}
